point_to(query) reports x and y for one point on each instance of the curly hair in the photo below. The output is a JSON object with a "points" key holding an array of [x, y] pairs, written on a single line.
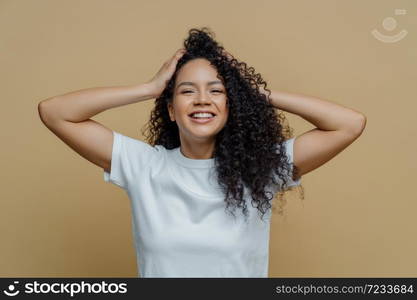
{"points": [[249, 152]]}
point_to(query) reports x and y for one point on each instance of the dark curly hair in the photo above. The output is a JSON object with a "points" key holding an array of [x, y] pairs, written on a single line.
{"points": [[249, 151]]}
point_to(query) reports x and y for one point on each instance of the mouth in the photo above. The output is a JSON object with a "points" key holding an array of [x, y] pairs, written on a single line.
{"points": [[202, 118]]}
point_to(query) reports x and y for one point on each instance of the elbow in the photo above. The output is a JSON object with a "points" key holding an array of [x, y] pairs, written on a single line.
{"points": [[42, 112], [357, 126]]}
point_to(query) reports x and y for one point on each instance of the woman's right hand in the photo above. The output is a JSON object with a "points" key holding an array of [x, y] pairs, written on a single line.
{"points": [[158, 83]]}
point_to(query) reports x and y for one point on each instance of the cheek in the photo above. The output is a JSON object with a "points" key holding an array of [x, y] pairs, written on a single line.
{"points": [[226, 110]]}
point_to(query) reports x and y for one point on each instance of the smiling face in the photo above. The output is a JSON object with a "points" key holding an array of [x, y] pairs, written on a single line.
{"points": [[197, 88]]}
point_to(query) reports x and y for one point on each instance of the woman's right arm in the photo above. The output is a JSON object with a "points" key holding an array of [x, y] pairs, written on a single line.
{"points": [[68, 117], [81, 105]]}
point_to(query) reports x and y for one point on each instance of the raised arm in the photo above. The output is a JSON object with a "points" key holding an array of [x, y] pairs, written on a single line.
{"points": [[336, 128], [68, 115]]}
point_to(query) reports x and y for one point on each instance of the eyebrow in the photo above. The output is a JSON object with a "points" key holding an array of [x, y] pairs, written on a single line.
{"points": [[192, 83]]}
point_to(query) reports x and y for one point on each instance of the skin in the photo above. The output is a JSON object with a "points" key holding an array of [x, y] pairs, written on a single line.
{"points": [[198, 140]]}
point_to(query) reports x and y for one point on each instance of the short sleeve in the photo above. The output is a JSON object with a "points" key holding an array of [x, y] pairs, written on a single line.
{"points": [[289, 150], [129, 157]]}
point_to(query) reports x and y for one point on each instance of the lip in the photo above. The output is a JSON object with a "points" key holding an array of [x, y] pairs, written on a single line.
{"points": [[202, 121], [203, 111]]}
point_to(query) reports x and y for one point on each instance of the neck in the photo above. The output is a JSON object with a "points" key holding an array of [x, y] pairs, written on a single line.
{"points": [[203, 149]]}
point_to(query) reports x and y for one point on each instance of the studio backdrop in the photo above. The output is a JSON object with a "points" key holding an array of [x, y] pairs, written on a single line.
{"points": [[59, 218]]}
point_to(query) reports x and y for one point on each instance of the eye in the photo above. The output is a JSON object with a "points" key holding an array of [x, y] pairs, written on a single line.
{"points": [[214, 91]]}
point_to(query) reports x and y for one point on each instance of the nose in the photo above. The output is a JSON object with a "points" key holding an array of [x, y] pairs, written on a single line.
{"points": [[202, 99]]}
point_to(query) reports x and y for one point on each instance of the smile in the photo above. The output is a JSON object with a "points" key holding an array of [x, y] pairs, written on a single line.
{"points": [[202, 120]]}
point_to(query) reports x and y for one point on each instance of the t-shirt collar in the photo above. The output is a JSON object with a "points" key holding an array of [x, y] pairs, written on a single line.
{"points": [[191, 163]]}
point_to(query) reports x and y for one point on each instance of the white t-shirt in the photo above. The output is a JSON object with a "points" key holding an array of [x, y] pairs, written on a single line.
{"points": [[180, 226]]}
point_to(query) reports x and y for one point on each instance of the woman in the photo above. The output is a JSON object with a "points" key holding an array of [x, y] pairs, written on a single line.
{"points": [[215, 144]]}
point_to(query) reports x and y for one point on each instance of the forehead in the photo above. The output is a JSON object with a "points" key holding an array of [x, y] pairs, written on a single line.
{"points": [[197, 70]]}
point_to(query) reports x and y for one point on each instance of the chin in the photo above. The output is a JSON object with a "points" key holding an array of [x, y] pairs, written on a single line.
{"points": [[200, 136]]}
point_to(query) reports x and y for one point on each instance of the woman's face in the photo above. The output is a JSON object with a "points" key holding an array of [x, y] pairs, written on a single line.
{"points": [[197, 88]]}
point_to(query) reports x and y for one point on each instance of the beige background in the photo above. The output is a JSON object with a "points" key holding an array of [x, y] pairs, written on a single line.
{"points": [[59, 218]]}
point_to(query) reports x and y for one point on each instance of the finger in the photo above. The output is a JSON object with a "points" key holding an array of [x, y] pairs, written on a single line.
{"points": [[180, 53], [177, 56], [174, 57]]}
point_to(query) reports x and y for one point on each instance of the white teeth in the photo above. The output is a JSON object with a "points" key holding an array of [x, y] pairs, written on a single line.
{"points": [[202, 115]]}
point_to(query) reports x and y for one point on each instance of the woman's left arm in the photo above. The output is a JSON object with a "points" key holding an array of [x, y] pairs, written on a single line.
{"points": [[336, 128]]}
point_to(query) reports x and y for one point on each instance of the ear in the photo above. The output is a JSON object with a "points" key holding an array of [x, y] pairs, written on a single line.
{"points": [[171, 112]]}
